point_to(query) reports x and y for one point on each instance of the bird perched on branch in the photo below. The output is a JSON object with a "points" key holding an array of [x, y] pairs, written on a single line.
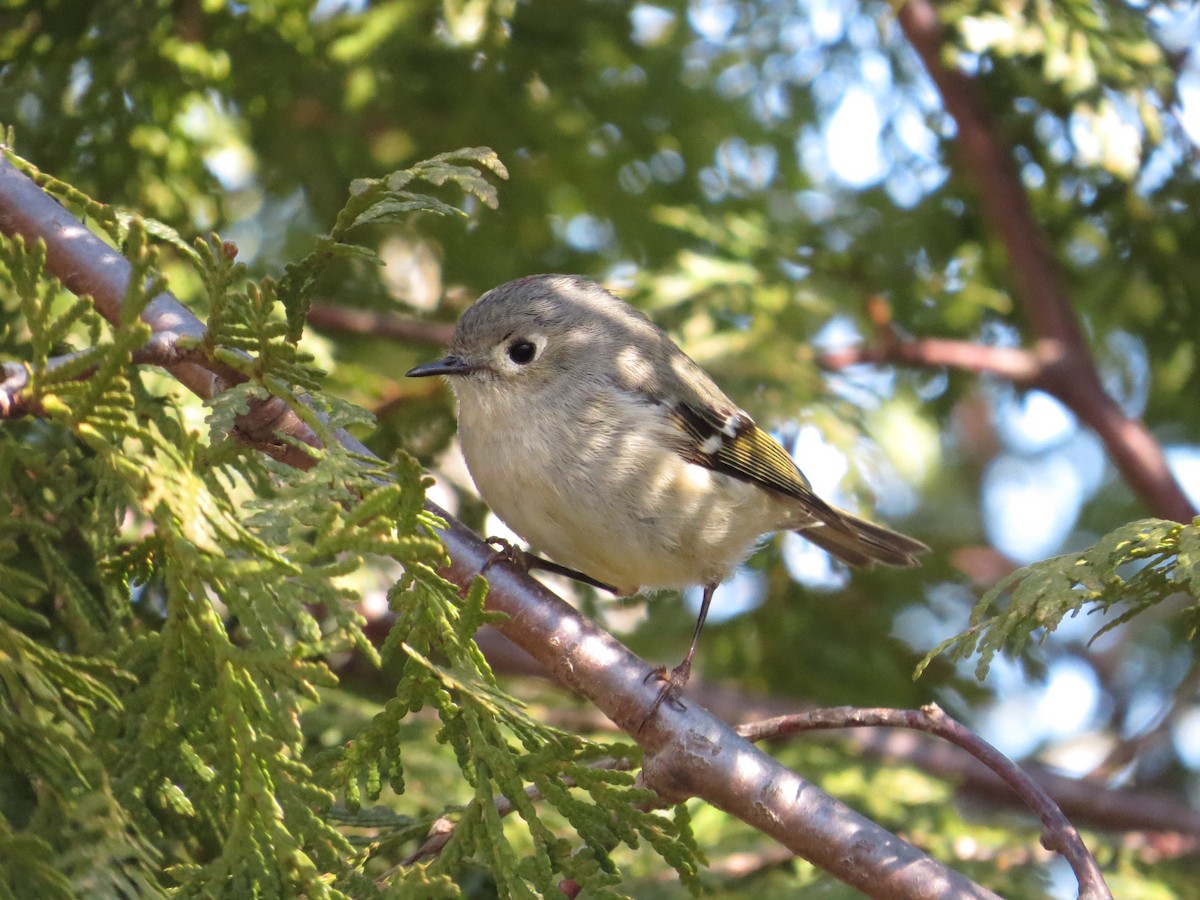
{"points": [[592, 435]]}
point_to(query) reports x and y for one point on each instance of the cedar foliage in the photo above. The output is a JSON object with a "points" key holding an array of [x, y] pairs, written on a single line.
{"points": [[171, 602]]}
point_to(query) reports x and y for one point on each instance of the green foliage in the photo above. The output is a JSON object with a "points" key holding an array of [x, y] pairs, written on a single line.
{"points": [[1087, 50], [1130, 570], [379, 201], [170, 601], [500, 750]]}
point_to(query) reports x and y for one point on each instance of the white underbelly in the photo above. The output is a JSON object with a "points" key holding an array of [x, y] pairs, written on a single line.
{"points": [[619, 506]]}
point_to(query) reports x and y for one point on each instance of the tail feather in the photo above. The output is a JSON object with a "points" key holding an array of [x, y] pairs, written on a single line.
{"points": [[857, 542]]}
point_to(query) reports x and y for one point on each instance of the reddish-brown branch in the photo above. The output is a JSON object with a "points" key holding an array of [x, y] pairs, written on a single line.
{"points": [[1067, 369], [1058, 835], [360, 321], [1085, 802], [989, 163], [1019, 366], [1135, 452]]}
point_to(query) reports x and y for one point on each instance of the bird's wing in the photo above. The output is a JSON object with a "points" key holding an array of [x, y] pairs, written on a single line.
{"points": [[727, 440], [707, 428]]}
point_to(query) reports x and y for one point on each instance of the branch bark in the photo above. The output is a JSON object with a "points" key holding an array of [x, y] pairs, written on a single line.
{"points": [[687, 752], [1065, 365], [1022, 367], [1085, 802], [325, 317], [1059, 834]]}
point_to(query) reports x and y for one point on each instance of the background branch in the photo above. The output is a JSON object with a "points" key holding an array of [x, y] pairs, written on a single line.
{"points": [[325, 317], [1066, 368], [1022, 367]]}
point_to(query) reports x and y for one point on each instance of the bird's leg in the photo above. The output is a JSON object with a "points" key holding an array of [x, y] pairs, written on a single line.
{"points": [[506, 551], [674, 680]]}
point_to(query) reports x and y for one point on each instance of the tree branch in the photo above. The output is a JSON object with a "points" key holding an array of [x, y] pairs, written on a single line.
{"points": [[326, 317], [14, 401], [1021, 367], [1058, 835], [687, 752], [1067, 370], [1084, 801], [86, 265]]}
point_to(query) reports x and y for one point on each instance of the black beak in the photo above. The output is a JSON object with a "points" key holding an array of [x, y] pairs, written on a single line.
{"points": [[447, 365]]}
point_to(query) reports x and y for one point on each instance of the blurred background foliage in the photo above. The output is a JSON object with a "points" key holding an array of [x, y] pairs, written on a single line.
{"points": [[752, 174]]}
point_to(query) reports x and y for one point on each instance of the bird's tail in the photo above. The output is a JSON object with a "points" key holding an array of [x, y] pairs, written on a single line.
{"points": [[857, 542]]}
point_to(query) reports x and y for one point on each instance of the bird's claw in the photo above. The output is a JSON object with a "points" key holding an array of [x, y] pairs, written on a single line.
{"points": [[506, 551], [670, 693]]}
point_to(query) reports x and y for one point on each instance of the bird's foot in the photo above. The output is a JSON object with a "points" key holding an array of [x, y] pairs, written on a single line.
{"points": [[673, 684], [506, 551]]}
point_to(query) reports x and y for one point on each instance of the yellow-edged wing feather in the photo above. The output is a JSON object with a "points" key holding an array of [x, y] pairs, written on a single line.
{"points": [[755, 455], [713, 432], [731, 443]]}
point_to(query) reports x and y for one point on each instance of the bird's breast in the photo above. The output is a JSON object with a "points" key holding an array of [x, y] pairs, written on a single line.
{"points": [[601, 490]]}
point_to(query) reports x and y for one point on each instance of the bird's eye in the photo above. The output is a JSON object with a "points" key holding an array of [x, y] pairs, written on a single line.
{"points": [[522, 351]]}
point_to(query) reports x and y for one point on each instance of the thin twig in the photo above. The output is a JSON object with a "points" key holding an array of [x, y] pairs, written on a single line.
{"points": [[1141, 810], [1058, 833]]}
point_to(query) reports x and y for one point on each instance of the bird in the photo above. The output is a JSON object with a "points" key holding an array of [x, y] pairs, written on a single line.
{"points": [[592, 435]]}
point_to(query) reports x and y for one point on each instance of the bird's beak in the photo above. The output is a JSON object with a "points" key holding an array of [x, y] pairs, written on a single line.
{"points": [[447, 365]]}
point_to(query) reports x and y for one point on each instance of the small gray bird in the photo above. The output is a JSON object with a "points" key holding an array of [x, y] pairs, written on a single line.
{"points": [[601, 443]]}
